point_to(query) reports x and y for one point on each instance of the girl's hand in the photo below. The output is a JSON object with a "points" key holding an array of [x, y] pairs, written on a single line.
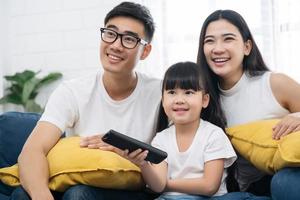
{"points": [[137, 157], [287, 125]]}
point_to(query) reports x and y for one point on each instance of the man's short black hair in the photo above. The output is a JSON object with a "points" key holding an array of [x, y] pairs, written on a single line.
{"points": [[135, 11]]}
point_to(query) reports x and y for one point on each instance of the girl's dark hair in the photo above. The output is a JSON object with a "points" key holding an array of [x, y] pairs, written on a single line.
{"points": [[187, 75]]}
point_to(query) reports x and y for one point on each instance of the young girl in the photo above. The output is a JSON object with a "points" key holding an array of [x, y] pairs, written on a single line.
{"points": [[198, 151], [230, 58]]}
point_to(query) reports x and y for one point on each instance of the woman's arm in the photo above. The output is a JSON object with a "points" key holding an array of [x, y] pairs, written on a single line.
{"points": [[207, 185], [287, 93]]}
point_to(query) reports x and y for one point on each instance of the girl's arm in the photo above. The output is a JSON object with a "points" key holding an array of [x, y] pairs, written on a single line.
{"points": [[287, 93], [207, 185], [155, 175]]}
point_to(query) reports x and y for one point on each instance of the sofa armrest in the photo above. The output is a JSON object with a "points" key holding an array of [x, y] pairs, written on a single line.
{"points": [[15, 127]]}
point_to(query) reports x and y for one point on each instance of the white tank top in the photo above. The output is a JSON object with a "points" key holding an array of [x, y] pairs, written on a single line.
{"points": [[250, 99]]}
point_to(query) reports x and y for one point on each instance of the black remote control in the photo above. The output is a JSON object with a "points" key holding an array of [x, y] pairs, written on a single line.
{"points": [[123, 142]]}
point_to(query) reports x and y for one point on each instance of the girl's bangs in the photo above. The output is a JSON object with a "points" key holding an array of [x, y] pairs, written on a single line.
{"points": [[183, 80]]}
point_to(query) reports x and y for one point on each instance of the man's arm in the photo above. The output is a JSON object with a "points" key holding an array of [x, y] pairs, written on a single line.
{"points": [[33, 164]]}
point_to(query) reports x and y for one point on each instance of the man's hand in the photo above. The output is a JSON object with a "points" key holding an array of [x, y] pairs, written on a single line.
{"points": [[92, 142], [287, 125], [96, 142]]}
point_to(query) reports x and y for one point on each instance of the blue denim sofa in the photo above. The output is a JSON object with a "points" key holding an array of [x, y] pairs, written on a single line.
{"points": [[15, 127]]}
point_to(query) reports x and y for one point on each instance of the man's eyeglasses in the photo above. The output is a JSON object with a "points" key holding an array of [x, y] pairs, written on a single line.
{"points": [[128, 41]]}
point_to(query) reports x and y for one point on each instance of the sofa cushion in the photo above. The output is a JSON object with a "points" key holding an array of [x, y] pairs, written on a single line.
{"points": [[15, 127], [254, 142], [69, 165]]}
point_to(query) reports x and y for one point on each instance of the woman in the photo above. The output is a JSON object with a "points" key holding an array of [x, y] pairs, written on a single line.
{"points": [[248, 91]]}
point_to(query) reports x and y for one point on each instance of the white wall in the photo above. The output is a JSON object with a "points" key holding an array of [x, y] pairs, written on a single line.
{"points": [[56, 35], [4, 43]]}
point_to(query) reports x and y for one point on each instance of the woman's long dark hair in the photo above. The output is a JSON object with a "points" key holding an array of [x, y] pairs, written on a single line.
{"points": [[187, 75], [253, 64]]}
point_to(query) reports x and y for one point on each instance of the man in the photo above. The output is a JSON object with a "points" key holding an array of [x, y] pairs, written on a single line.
{"points": [[117, 98]]}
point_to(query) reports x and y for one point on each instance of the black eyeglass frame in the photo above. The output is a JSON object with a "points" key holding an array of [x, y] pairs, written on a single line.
{"points": [[139, 40]]}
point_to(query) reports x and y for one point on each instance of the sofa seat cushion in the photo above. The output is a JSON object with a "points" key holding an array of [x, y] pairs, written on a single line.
{"points": [[15, 127]]}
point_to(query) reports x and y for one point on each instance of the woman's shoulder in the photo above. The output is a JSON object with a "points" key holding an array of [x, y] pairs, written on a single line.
{"points": [[278, 78], [283, 88]]}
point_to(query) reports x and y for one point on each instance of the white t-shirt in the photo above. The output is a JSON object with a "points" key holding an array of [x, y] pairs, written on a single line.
{"points": [[83, 107], [209, 143]]}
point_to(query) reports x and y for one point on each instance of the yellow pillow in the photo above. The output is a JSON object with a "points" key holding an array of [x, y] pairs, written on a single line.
{"points": [[254, 142], [70, 165]]}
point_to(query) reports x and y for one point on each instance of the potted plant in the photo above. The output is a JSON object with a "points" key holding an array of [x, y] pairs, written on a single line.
{"points": [[24, 87]]}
